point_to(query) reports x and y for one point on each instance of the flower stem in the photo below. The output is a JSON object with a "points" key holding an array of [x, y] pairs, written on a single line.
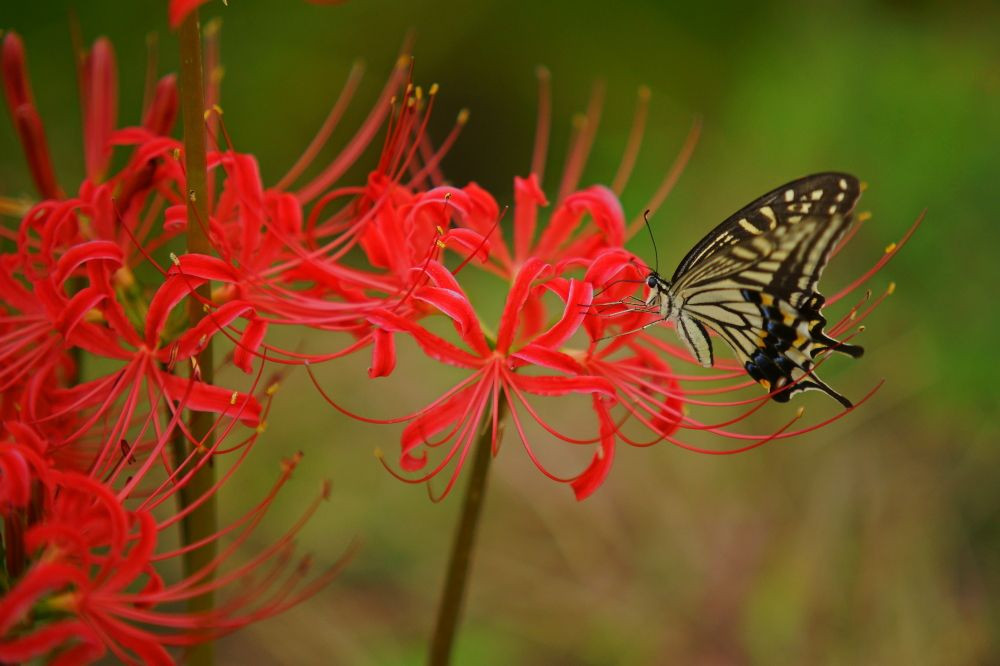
{"points": [[200, 523], [453, 593]]}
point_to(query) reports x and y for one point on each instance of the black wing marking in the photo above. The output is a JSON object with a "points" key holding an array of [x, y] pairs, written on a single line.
{"points": [[821, 195]]}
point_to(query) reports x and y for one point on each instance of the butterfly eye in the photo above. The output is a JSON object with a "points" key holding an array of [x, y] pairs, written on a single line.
{"points": [[651, 282]]}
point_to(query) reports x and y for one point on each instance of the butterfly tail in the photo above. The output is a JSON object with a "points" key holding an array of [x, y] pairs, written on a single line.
{"points": [[815, 383]]}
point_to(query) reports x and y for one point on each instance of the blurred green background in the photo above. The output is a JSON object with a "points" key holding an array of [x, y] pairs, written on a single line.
{"points": [[875, 540]]}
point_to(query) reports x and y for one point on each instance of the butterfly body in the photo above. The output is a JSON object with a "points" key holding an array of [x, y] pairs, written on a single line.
{"points": [[754, 281]]}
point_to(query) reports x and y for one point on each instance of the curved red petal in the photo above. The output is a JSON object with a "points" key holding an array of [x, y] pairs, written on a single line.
{"points": [[591, 478], [201, 397], [383, 354], [458, 308], [519, 293]]}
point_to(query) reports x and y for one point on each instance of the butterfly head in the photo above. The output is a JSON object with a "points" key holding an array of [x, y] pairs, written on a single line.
{"points": [[660, 295]]}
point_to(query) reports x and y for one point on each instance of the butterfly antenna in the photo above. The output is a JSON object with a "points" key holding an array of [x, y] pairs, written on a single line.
{"points": [[656, 255]]}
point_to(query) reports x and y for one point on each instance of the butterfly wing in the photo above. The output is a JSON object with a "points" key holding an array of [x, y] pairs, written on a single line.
{"points": [[820, 194], [754, 279]]}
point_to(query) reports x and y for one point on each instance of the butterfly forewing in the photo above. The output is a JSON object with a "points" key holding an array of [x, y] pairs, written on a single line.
{"points": [[824, 194], [754, 278]]}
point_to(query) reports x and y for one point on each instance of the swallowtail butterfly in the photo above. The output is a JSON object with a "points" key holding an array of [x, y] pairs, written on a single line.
{"points": [[753, 280]]}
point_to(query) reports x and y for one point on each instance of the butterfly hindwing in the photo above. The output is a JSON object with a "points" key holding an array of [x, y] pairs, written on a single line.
{"points": [[696, 340]]}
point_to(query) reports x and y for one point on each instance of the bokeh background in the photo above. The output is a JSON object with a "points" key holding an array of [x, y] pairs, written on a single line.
{"points": [[875, 540]]}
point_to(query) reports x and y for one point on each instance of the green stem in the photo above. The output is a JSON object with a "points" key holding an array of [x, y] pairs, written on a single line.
{"points": [[453, 593], [200, 523]]}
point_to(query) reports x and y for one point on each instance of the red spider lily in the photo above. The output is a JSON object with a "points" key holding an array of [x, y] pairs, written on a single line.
{"points": [[583, 225], [88, 482], [498, 371], [97, 319], [95, 585], [288, 266]]}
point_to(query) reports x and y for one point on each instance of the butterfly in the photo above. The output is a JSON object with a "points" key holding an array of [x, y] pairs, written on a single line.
{"points": [[753, 280]]}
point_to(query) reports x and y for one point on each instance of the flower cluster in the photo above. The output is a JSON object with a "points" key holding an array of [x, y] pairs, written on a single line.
{"points": [[98, 353], [98, 369]]}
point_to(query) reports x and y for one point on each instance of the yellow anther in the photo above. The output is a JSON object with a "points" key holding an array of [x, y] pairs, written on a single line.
{"points": [[273, 388], [261, 427], [403, 61], [205, 308], [864, 186], [861, 329], [433, 89], [410, 102], [379, 454], [93, 316], [192, 197], [441, 244], [892, 288], [800, 412], [174, 260], [419, 92], [864, 216], [440, 230], [176, 153], [234, 397], [409, 88], [891, 247], [217, 109], [463, 117], [392, 100]]}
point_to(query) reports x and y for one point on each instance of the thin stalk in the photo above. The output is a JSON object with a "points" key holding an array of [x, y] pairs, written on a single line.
{"points": [[456, 581], [201, 523]]}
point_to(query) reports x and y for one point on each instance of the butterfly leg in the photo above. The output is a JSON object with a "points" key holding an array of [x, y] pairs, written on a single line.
{"points": [[634, 330]]}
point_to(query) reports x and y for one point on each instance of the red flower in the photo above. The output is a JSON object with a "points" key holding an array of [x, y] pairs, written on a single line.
{"points": [[95, 585], [507, 370], [83, 514]]}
